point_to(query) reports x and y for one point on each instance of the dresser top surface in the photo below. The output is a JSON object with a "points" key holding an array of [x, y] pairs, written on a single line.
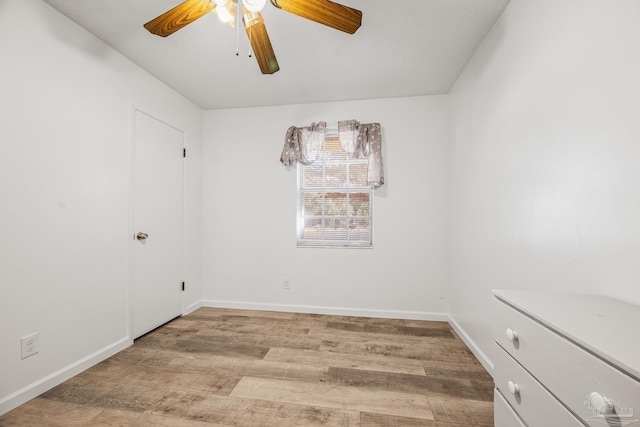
{"points": [[604, 326]]}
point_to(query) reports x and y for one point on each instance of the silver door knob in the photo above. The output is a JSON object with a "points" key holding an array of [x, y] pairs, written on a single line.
{"points": [[142, 236]]}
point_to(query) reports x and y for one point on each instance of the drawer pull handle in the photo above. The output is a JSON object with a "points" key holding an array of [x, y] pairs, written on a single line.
{"points": [[512, 335], [513, 388], [601, 404]]}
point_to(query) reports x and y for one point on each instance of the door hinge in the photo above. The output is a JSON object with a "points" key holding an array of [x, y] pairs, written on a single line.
{"points": [[183, 286], [184, 152]]}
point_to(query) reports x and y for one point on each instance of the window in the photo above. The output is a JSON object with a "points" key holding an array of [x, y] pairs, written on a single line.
{"points": [[334, 199]]}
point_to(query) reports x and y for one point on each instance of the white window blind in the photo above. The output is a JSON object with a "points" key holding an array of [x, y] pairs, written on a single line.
{"points": [[334, 199]]}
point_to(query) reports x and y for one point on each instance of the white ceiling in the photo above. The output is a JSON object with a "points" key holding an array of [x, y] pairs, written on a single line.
{"points": [[404, 48]]}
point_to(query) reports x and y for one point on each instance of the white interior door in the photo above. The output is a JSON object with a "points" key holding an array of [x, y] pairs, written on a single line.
{"points": [[158, 211]]}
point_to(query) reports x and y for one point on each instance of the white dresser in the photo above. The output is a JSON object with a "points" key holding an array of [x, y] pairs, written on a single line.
{"points": [[565, 360]]}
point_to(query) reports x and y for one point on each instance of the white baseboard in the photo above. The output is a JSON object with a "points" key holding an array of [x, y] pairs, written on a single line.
{"points": [[340, 311], [479, 354], [35, 389], [192, 307]]}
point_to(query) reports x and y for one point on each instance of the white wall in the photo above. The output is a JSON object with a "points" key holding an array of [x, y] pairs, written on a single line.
{"points": [[250, 214], [65, 114], [545, 151], [541, 166]]}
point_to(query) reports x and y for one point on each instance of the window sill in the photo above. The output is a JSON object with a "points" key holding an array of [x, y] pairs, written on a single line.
{"points": [[333, 246]]}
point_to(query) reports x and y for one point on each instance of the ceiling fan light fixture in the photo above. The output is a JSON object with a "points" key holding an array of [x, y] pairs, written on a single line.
{"points": [[254, 5], [226, 10], [325, 12]]}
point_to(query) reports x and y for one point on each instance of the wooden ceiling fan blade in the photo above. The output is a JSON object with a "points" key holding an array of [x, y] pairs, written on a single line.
{"points": [[179, 17], [260, 42], [325, 12]]}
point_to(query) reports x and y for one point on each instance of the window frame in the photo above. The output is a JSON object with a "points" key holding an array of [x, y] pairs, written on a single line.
{"points": [[330, 132]]}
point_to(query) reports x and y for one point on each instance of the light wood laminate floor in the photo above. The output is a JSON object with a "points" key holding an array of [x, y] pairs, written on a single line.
{"points": [[220, 367]]}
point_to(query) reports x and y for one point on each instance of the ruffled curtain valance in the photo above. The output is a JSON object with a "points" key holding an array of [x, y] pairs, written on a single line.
{"points": [[359, 140], [303, 144]]}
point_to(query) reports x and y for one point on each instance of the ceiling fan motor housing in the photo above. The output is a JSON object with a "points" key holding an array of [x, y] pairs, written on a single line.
{"points": [[254, 5]]}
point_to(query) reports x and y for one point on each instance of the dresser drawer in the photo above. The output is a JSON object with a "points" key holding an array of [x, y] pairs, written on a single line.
{"points": [[566, 370], [535, 405], [503, 414]]}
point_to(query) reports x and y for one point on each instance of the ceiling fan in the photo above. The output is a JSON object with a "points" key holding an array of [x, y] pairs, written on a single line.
{"points": [[325, 12]]}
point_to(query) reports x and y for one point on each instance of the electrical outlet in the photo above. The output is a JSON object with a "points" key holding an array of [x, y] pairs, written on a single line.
{"points": [[30, 345], [286, 283]]}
